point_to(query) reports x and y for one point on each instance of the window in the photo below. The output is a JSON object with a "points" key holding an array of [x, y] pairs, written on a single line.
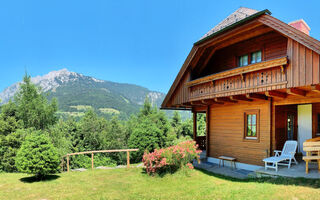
{"points": [[251, 130], [256, 57], [243, 60]]}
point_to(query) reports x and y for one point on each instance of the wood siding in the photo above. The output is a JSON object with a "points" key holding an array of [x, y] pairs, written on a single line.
{"points": [[181, 94], [272, 45], [257, 81], [303, 68], [226, 132]]}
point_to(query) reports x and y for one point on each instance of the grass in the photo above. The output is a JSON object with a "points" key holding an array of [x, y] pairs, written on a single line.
{"points": [[74, 114], [109, 111], [134, 184], [81, 107]]}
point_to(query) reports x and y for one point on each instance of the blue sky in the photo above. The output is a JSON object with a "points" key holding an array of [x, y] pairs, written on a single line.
{"points": [[140, 42]]}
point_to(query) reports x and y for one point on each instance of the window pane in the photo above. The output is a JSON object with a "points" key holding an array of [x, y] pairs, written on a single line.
{"points": [[249, 131], [243, 60], [253, 57], [254, 119], [254, 131], [248, 119], [258, 56]]}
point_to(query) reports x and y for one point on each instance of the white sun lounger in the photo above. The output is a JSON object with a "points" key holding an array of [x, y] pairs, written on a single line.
{"points": [[284, 157]]}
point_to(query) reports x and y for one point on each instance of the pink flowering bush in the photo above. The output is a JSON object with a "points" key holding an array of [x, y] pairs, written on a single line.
{"points": [[172, 158]]}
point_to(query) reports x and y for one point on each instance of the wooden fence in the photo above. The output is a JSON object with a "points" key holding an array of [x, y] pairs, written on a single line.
{"points": [[98, 151]]}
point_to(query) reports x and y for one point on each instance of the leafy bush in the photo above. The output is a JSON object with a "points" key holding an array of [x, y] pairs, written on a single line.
{"points": [[37, 155], [171, 159], [9, 146]]}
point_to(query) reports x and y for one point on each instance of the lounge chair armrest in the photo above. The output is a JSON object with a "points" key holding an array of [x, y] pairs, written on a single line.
{"points": [[277, 153]]}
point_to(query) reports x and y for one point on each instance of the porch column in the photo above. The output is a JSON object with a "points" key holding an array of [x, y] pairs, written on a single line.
{"points": [[207, 130], [194, 126]]}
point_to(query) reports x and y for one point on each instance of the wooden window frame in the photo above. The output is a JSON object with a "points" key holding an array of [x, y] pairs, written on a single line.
{"points": [[248, 61], [251, 54], [251, 112]]}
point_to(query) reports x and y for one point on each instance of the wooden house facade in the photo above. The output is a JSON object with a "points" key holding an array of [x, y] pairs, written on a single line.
{"points": [[258, 81]]}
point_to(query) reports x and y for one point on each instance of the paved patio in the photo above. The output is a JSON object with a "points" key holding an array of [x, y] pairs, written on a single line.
{"points": [[295, 171], [226, 171]]}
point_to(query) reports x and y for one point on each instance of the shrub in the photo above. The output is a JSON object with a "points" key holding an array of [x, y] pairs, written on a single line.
{"points": [[9, 146], [171, 159], [37, 155]]}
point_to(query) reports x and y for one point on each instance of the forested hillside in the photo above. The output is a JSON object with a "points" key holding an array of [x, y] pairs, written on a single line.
{"points": [[77, 93], [31, 118]]}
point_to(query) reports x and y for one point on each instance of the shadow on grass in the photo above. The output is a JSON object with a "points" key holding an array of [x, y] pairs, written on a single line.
{"points": [[33, 179], [161, 174], [312, 183]]}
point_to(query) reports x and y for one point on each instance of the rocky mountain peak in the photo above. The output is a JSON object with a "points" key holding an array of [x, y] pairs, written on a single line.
{"points": [[47, 82]]}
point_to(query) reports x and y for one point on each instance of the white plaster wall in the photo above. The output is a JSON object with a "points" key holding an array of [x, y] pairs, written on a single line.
{"points": [[304, 125]]}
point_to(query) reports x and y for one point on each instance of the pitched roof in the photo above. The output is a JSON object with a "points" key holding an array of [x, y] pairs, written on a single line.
{"points": [[263, 17], [242, 18], [234, 17]]}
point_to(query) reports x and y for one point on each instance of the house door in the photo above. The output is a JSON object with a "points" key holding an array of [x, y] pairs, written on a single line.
{"points": [[304, 125]]}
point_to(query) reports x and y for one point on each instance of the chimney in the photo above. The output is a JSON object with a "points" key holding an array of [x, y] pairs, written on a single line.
{"points": [[301, 25]]}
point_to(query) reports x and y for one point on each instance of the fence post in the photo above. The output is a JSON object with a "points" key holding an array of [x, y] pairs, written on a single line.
{"points": [[92, 160], [128, 159], [68, 163]]}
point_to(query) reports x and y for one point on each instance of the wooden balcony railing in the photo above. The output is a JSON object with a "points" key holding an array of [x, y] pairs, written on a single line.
{"points": [[259, 77]]}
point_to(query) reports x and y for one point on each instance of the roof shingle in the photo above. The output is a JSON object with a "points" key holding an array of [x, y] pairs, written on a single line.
{"points": [[236, 16]]}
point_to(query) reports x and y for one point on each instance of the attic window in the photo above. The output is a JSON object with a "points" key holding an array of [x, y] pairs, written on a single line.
{"points": [[243, 60], [256, 57]]}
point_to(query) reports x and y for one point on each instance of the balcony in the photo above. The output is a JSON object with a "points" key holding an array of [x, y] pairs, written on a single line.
{"points": [[258, 77]]}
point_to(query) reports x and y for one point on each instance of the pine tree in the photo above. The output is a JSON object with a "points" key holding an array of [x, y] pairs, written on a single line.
{"points": [[32, 106]]}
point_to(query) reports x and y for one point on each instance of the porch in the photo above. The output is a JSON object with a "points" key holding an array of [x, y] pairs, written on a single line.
{"points": [[296, 171]]}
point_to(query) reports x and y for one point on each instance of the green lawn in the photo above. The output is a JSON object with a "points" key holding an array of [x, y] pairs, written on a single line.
{"points": [[134, 184]]}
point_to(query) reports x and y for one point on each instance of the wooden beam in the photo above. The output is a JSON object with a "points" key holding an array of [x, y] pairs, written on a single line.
{"points": [[296, 91], [197, 103], [225, 99], [208, 131], [315, 88], [207, 59], [194, 126], [257, 96], [240, 98], [276, 94], [210, 101]]}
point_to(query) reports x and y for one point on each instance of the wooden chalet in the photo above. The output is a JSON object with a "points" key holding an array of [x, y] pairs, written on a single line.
{"points": [[258, 81]]}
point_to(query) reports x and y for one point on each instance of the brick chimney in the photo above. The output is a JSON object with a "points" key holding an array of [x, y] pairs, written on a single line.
{"points": [[301, 25]]}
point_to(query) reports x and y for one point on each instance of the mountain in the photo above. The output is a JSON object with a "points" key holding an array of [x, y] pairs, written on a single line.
{"points": [[76, 93]]}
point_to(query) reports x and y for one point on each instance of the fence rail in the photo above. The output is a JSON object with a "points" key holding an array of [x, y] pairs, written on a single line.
{"points": [[98, 151]]}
